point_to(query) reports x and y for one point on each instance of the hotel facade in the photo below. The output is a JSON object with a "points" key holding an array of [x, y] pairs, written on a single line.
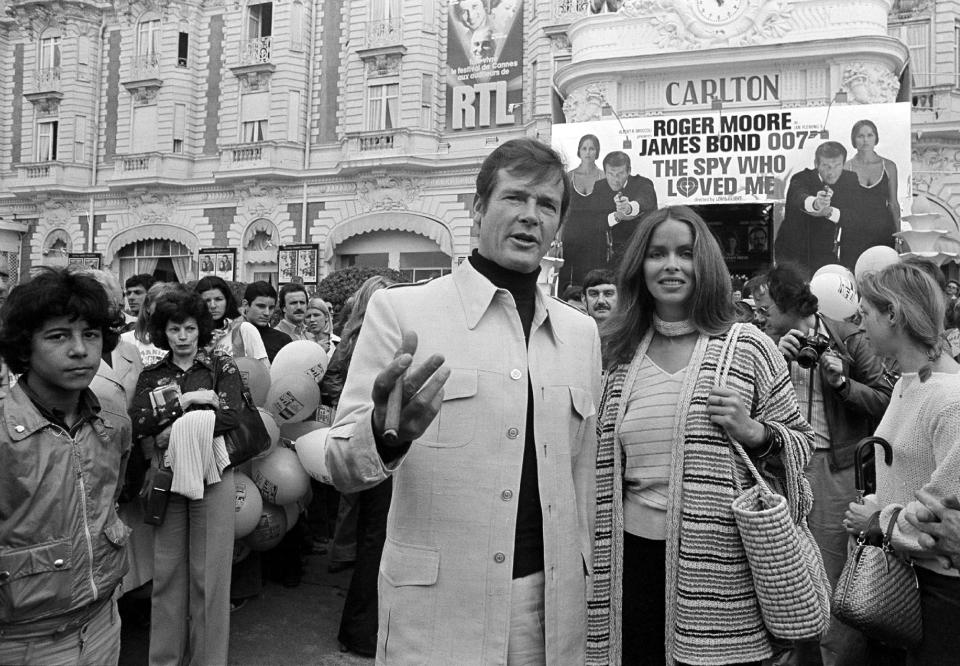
{"points": [[140, 135]]}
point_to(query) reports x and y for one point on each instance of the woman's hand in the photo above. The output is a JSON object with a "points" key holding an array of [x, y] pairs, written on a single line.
{"points": [[199, 397], [727, 410], [857, 515]]}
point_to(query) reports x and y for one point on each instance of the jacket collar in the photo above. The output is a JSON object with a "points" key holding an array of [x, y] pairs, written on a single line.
{"points": [[477, 293], [23, 417]]}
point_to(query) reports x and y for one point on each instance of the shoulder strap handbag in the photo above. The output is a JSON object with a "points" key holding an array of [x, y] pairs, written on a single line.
{"points": [[250, 437], [788, 574], [878, 593], [236, 338]]}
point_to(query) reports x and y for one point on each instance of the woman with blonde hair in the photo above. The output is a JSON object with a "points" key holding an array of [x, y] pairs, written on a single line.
{"points": [[666, 473], [319, 323], [902, 316]]}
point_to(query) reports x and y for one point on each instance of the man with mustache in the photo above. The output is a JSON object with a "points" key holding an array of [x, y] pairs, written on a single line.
{"points": [[600, 289], [491, 445], [293, 304]]}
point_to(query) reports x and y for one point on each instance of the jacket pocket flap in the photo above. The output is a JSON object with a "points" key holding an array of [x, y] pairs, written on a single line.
{"points": [[462, 383], [582, 402], [21, 562], [343, 431], [405, 564], [117, 533]]}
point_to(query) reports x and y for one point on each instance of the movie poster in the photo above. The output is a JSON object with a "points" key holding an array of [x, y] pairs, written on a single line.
{"points": [[218, 262], [87, 259], [755, 157], [484, 63], [298, 263]]}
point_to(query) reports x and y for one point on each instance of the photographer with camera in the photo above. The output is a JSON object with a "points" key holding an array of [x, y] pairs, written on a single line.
{"points": [[843, 393]]}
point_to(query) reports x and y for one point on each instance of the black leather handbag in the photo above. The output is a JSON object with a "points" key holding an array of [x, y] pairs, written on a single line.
{"points": [[250, 437]]}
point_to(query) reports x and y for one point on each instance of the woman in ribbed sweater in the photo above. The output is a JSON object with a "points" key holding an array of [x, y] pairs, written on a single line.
{"points": [[671, 582], [903, 318]]}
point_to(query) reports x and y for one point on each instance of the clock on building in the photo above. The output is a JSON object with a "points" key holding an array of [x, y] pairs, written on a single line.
{"points": [[719, 11]]}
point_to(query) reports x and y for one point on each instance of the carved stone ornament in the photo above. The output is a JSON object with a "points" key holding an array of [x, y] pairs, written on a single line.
{"points": [[46, 103], [69, 18], [382, 192], [260, 200], [383, 64], [261, 236], [57, 242], [130, 11], [910, 8], [560, 43], [870, 83], [585, 104], [682, 24], [143, 92], [151, 208], [60, 212], [254, 78]]}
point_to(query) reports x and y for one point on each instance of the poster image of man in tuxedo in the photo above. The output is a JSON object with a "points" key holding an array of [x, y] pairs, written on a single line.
{"points": [[821, 204]]}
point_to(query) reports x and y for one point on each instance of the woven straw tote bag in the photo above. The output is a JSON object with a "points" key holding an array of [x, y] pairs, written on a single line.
{"points": [[788, 573], [878, 594]]}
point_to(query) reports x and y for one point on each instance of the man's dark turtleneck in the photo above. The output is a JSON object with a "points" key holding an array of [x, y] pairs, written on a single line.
{"points": [[528, 538]]}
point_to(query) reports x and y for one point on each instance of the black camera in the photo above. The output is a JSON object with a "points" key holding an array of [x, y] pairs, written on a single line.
{"points": [[811, 349], [156, 495]]}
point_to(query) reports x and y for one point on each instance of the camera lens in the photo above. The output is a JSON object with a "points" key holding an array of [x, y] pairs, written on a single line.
{"points": [[807, 357]]}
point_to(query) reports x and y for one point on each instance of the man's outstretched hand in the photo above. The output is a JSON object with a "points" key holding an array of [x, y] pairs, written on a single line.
{"points": [[422, 392]]}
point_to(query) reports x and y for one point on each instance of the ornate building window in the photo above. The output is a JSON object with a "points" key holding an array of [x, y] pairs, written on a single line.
{"points": [[49, 57], [916, 36], [260, 20], [148, 36], [383, 104], [48, 133]]}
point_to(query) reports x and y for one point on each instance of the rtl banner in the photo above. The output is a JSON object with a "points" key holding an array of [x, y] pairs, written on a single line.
{"points": [[484, 63]]}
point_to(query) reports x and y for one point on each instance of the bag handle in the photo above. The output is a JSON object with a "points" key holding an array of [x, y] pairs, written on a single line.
{"points": [[889, 533], [723, 370]]}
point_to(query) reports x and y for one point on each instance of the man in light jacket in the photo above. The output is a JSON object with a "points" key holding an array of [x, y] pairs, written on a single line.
{"points": [[488, 539]]}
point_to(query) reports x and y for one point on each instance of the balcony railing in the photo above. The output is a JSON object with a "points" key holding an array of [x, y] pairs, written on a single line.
{"points": [[51, 175], [384, 33], [35, 171], [248, 153], [568, 10], [381, 141], [256, 51], [47, 78], [145, 66]]}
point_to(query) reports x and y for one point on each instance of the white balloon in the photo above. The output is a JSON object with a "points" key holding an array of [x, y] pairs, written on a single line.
{"points": [[837, 295], [875, 258], [311, 449], [835, 268], [300, 357], [293, 397], [280, 477], [248, 506], [273, 430], [256, 377]]}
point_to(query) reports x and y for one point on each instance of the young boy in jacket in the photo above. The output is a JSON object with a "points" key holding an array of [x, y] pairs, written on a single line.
{"points": [[62, 455]]}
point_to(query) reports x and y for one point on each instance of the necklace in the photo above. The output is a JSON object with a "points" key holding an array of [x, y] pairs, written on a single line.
{"points": [[673, 329]]}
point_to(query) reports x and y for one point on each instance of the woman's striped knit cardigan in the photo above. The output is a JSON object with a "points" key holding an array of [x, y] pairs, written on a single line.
{"points": [[712, 615]]}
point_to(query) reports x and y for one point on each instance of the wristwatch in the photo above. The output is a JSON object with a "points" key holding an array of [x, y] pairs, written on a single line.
{"points": [[843, 383]]}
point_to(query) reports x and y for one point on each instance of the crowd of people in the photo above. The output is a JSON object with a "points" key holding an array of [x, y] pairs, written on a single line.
{"points": [[532, 481]]}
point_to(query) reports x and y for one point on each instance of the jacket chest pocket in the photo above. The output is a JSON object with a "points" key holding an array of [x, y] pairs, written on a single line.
{"points": [[36, 581], [571, 412], [455, 423]]}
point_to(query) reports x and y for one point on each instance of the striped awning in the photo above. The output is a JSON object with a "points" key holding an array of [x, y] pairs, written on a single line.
{"points": [[435, 230], [150, 232]]}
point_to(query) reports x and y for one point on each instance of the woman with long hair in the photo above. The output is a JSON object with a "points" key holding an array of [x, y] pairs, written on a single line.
{"points": [[877, 206], [187, 401], [231, 334], [903, 312], [358, 623], [584, 244], [666, 473]]}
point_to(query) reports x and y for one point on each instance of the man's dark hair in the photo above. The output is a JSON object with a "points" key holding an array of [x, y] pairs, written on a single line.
{"points": [[617, 158], [598, 276], [572, 291], [788, 287], [829, 150], [218, 283], [144, 280], [177, 307], [53, 292], [290, 288], [257, 289], [523, 157]]}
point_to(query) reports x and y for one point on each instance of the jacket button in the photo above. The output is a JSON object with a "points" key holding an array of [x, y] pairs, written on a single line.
{"points": [[58, 563], [4, 576], [506, 495], [515, 374], [19, 428], [499, 558], [513, 433]]}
